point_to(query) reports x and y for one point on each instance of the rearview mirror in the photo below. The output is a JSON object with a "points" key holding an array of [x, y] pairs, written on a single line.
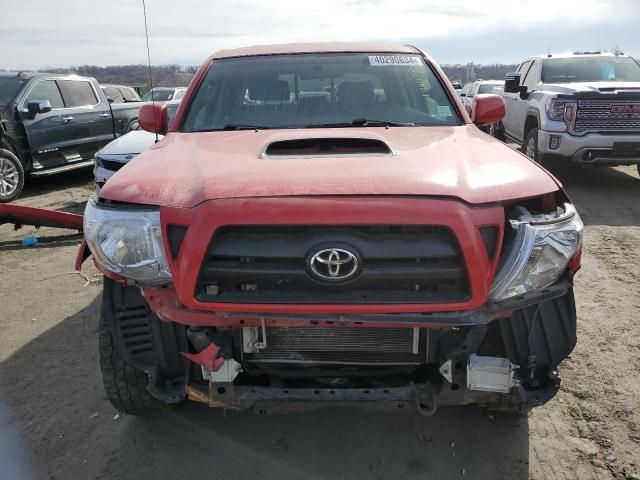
{"points": [[152, 117], [487, 108], [512, 83], [38, 106]]}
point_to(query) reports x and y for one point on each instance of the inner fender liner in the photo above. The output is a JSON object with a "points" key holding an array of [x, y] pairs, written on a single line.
{"points": [[539, 337], [145, 342]]}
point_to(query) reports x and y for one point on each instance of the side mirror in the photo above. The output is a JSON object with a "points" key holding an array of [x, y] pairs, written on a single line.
{"points": [[152, 117], [524, 92], [487, 108], [512, 83], [38, 106]]}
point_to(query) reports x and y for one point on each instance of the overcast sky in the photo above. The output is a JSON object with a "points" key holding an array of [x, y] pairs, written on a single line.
{"points": [[62, 33]]}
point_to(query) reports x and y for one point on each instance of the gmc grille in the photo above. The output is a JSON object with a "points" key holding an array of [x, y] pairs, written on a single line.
{"points": [[597, 116], [269, 264]]}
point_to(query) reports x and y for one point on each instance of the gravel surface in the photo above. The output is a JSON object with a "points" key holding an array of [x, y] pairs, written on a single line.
{"points": [[52, 401]]}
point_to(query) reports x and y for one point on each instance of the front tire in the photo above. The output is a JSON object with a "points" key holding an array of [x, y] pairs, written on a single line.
{"points": [[11, 176], [530, 145], [497, 130], [125, 385]]}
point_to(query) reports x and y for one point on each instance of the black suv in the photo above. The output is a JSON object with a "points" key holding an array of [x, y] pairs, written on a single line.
{"points": [[53, 123]]}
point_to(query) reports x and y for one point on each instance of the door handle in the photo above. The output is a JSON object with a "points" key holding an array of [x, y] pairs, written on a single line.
{"points": [[104, 115], [67, 119]]}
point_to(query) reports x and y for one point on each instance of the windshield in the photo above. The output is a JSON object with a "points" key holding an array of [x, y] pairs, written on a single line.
{"points": [[9, 87], [590, 69], [158, 95], [314, 90]]}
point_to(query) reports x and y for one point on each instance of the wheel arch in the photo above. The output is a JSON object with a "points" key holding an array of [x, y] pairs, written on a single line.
{"points": [[532, 121]]}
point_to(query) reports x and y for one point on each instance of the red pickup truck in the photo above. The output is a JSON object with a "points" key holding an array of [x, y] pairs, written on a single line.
{"points": [[324, 224]]}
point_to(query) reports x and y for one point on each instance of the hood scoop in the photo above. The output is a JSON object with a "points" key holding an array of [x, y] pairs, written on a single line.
{"points": [[326, 147]]}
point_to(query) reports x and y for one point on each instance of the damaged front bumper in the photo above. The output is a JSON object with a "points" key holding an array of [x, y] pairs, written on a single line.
{"points": [[503, 354]]}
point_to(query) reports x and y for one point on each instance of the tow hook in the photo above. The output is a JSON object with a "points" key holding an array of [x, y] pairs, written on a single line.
{"points": [[425, 410]]}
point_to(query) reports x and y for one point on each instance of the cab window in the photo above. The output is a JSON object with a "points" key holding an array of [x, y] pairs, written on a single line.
{"points": [[531, 79], [114, 94], [77, 93], [46, 90]]}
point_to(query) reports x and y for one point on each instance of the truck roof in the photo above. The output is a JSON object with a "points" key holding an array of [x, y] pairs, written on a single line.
{"points": [[328, 47], [578, 54], [29, 75]]}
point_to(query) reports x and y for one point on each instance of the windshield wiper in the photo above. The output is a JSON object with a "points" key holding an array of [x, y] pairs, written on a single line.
{"points": [[361, 122], [240, 126], [366, 122]]}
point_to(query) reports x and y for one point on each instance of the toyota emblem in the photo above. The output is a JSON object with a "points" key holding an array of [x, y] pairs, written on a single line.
{"points": [[334, 264]]}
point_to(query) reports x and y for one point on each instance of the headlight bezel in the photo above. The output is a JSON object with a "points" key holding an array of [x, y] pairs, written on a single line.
{"points": [[514, 276], [117, 235], [561, 110]]}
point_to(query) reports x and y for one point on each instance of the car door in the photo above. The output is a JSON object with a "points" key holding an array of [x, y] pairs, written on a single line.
{"points": [[45, 131], [88, 115]]}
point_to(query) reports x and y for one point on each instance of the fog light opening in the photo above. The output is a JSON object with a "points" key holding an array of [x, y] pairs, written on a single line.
{"points": [[554, 142]]}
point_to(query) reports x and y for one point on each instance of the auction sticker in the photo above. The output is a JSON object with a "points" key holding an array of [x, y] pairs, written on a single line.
{"points": [[394, 60]]}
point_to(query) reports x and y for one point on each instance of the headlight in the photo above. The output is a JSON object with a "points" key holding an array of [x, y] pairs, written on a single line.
{"points": [[541, 251], [561, 110], [127, 242], [97, 160]]}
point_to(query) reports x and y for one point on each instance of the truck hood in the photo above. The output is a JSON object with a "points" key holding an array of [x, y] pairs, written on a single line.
{"points": [[186, 169], [592, 87], [131, 143]]}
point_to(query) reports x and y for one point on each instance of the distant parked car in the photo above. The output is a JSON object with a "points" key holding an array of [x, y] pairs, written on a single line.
{"points": [[457, 87], [164, 94], [115, 155], [120, 93], [480, 86]]}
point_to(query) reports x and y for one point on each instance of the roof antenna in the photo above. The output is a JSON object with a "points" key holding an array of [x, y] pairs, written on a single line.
{"points": [[549, 51], [146, 34]]}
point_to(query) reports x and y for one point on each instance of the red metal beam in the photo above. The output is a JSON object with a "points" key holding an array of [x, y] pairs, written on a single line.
{"points": [[39, 217]]}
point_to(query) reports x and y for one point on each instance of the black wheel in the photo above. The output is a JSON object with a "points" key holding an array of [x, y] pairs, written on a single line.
{"points": [[126, 386], [133, 125], [11, 176], [497, 130], [530, 145]]}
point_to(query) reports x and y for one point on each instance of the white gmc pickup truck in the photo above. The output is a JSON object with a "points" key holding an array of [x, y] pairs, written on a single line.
{"points": [[582, 107]]}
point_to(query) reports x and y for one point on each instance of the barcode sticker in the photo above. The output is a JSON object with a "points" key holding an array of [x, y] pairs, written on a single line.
{"points": [[394, 60]]}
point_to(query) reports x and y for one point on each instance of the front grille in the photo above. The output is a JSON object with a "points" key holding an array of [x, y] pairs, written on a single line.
{"points": [[343, 345], [597, 116], [270, 264], [111, 165]]}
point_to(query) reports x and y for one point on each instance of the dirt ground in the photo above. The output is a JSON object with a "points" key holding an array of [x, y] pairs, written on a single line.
{"points": [[56, 421]]}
